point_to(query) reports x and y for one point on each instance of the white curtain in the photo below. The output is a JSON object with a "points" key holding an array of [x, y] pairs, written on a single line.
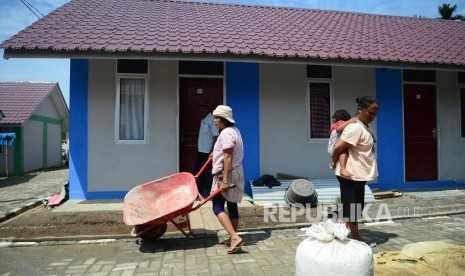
{"points": [[132, 96]]}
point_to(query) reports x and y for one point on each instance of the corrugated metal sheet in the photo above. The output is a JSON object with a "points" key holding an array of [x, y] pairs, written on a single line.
{"points": [[327, 190]]}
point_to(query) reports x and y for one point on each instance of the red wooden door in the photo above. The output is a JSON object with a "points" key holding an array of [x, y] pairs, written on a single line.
{"points": [[420, 132], [194, 92]]}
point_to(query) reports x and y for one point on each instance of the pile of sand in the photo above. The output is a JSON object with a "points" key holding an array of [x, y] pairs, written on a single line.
{"points": [[423, 258]]}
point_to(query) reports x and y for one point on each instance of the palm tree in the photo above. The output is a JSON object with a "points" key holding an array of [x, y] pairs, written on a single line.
{"points": [[446, 11]]}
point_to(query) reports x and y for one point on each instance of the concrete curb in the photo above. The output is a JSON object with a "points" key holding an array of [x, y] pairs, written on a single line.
{"points": [[19, 211]]}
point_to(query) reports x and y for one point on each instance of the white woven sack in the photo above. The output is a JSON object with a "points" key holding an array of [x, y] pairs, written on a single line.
{"points": [[327, 251]]}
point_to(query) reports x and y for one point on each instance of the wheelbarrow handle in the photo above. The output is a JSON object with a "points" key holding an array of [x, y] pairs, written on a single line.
{"points": [[205, 200], [204, 167]]}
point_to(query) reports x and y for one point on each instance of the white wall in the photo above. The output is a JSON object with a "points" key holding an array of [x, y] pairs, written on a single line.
{"points": [[117, 167], [33, 138], [47, 109], [33, 149], [33, 145], [284, 147], [451, 158], [53, 145]]}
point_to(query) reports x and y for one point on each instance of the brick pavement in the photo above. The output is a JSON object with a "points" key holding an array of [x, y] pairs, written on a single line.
{"points": [[265, 252]]}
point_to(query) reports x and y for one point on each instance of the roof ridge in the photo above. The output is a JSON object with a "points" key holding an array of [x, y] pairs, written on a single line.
{"points": [[32, 82], [290, 8]]}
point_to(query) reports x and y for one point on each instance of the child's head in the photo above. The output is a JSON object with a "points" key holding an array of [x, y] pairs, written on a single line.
{"points": [[341, 114]]}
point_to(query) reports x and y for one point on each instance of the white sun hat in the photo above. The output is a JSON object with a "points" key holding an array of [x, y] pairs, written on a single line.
{"points": [[225, 112]]}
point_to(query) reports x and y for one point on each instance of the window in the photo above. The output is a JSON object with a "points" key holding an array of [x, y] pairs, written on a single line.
{"points": [[201, 68], [462, 111], [133, 66], [461, 81], [319, 71], [131, 101], [419, 75], [460, 78], [320, 108]]}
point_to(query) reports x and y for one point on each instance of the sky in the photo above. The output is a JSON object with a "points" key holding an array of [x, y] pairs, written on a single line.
{"points": [[15, 16]]}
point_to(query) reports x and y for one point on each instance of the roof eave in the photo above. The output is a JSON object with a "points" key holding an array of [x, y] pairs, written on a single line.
{"points": [[10, 124], [205, 56]]}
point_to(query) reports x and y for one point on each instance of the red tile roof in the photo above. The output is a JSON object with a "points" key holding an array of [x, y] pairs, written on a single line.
{"points": [[19, 99], [177, 27]]}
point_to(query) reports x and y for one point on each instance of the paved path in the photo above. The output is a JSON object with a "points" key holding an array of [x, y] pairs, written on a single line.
{"points": [[20, 192], [265, 253]]}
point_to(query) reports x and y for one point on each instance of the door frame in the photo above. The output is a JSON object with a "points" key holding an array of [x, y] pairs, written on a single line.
{"points": [[435, 86], [179, 94]]}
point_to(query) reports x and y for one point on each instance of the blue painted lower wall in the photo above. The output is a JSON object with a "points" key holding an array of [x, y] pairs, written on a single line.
{"points": [[242, 95]]}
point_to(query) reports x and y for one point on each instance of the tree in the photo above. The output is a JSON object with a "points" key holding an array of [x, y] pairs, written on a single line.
{"points": [[446, 12]]}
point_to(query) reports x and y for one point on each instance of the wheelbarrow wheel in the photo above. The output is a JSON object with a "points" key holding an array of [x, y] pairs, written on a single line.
{"points": [[155, 233]]}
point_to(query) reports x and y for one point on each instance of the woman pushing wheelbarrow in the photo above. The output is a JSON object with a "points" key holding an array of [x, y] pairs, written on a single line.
{"points": [[150, 206], [228, 153]]}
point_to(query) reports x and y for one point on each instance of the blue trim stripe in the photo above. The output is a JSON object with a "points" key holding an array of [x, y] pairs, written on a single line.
{"points": [[78, 155], [106, 195], [419, 185], [389, 126], [242, 95]]}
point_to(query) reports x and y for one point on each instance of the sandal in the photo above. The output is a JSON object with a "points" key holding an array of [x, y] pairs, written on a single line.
{"points": [[236, 248]]}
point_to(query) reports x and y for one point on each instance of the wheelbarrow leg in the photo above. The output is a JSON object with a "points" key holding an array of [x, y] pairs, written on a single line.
{"points": [[181, 225]]}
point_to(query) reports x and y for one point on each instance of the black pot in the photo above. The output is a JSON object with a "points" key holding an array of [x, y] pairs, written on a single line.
{"points": [[301, 191]]}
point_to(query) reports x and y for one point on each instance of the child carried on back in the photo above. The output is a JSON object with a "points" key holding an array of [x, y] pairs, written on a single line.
{"points": [[341, 119]]}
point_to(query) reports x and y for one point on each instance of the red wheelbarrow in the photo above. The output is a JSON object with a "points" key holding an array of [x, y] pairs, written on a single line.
{"points": [[150, 206]]}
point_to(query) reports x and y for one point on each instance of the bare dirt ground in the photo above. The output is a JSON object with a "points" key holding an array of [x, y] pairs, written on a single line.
{"points": [[41, 222]]}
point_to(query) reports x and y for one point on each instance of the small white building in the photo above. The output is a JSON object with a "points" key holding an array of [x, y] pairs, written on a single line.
{"points": [[38, 115]]}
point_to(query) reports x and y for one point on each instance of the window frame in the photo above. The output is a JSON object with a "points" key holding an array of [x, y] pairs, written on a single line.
{"points": [[118, 107], [331, 99], [461, 111]]}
